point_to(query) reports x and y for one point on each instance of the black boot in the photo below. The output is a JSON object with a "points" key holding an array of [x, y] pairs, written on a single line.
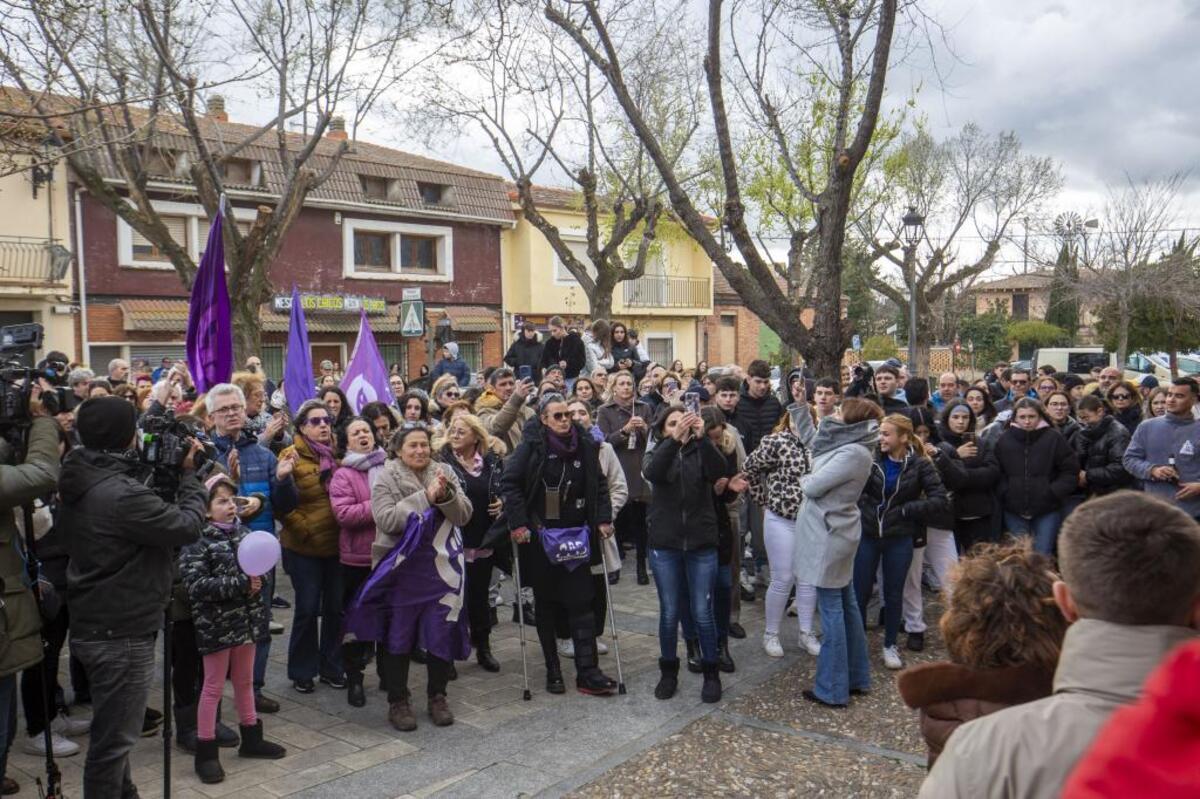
{"points": [[527, 611], [356, 695], [254, 746], [185, 728], [483, 654], [208, 762], [711, 692], [669, 681], [693, 655], [724, 659], [642, 577], [226, 738], [588, 677], [554, 679]]}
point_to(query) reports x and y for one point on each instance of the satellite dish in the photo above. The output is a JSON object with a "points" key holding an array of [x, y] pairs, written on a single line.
{"points": [[1068, 225]]}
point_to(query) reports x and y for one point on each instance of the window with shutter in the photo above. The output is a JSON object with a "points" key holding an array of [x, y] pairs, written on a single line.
{"points": [[418, 253], [372, 251], [144, 250], [661, 349], [578, 248]]}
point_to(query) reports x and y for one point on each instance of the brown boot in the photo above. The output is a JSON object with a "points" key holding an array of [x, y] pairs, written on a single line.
{"points": [[439, 711], [401, 716]]}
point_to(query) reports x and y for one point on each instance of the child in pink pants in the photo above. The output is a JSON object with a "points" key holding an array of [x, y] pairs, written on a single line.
{"points": [[230, 619]]}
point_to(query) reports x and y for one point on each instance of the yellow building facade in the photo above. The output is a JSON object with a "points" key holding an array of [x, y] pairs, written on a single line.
{"points": [[668, 306], [36, 251]]}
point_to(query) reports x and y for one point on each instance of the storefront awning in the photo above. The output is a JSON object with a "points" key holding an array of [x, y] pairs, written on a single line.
{"points": [[473, 319], [170, 316]]}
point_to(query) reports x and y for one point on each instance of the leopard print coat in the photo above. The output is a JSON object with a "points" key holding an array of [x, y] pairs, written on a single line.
{"points": [[774, 470]]}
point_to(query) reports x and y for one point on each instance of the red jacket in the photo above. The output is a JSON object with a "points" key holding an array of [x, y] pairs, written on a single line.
{"points": [[1152, 747], [350, 496]]}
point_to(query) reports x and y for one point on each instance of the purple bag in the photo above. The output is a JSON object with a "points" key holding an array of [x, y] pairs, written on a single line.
{"points": [[567, 546]]}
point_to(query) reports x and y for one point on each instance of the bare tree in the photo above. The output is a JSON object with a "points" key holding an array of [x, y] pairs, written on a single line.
{"points": [[1134, 259], [550, 117], [779, 46], [970, 187], [117, 86]]}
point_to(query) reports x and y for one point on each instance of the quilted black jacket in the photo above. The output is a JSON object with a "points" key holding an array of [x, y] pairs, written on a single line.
{"points": [[224, 613]]}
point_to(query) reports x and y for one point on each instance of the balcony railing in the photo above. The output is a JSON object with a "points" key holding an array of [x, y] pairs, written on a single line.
{"points": [[657, 291], [33, 261]]}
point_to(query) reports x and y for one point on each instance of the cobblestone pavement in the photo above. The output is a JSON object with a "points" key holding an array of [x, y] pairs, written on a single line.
{"points": [[763, 739]]}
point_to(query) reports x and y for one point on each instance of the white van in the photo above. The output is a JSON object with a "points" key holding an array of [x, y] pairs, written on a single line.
{"points": [[1073, 360]]}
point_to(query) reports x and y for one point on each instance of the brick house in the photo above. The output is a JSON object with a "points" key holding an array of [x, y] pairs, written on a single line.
{"points": [[385, 222], [734, 333]]}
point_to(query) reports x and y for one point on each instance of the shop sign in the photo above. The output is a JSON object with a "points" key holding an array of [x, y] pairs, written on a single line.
{"points": [[332, 303]]}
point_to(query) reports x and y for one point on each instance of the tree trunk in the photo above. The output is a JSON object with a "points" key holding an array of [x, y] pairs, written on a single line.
{"points": [[247, 328], [828, 346], [1123, 313], [601, 299]]}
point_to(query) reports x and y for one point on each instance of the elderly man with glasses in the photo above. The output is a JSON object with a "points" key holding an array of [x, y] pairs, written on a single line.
{"points": [[257, 472]]}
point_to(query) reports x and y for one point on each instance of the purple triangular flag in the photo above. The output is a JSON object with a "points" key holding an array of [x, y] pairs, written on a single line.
{"points": [[366, 377], [209, 330], [298, 382]]}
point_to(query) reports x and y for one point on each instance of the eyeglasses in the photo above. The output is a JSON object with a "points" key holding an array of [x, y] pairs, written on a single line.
{"points": [[317, 421], [229, 409], [451, 394]]}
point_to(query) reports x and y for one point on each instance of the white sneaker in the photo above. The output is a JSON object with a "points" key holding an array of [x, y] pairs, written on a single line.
{"points": [[566, 647], [891, 658], [36, 745], [275, 627], [69, 727], [601, 647], [772, 645], [810, 642]]}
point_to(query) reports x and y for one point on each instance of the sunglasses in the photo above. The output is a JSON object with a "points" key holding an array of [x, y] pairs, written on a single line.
{"points": [[558, 416], [413, 426], [1119, 397], [317, 421], [452, 394]]}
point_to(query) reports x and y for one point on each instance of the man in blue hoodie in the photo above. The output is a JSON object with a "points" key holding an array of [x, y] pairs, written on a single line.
{"points": [[450, 364], [256, 471], [1165, 452]]}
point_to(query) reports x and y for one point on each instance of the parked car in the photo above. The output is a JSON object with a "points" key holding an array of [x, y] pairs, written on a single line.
{"points": [[1073, 360], [1159, 365]]}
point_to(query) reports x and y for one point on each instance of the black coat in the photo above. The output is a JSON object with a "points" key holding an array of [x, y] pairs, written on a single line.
{"points": [[971, 481], [627, 352], [525, 353], [755, 418], [1100, 450], [121, 539], [1038, 470], [480, 490], [569, 348], [681, 513], [523, 491], [919, 500], [1130, 418], [224, 613]]}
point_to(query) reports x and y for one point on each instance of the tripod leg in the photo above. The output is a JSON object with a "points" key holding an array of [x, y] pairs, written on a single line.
{"points": [[521, 620], [168, 701]]}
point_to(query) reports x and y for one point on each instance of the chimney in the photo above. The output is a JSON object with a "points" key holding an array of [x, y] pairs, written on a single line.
{"points": [[337, 129], [216, 108]]}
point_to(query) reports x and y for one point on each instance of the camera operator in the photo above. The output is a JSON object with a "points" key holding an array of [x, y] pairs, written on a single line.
{"points": [[120, 536], [36, 476]]}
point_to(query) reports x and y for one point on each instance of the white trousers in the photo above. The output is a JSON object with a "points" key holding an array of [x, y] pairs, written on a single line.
{"points": [[941, 553], [779, 538]]}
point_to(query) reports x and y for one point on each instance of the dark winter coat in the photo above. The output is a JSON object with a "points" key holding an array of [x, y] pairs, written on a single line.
{"points": [[919, 499], [755, 417], [1038, 470], [613, 416], [479, 489], [627, 352], [681, 513], [891, 404], [121, 538], [452, 366], [971, 481], [569, 348], [1100, 450], [256, 475], [223, 610], [523, 352], [1130, 418]]}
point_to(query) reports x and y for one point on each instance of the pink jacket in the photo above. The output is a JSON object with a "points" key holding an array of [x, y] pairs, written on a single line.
{"points": [[350, 496]]}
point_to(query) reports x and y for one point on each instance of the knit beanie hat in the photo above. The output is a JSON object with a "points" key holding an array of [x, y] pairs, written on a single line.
{"points": [[452, 348], [106, 423]]}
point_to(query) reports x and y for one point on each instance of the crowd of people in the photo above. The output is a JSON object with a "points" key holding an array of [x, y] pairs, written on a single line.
{"points": [[819, 497]]}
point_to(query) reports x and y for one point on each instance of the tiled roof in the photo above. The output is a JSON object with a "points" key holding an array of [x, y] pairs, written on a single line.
{"points": [[473, 318], [475, 193], [721, 287], [1032, 280], [170, 316]]}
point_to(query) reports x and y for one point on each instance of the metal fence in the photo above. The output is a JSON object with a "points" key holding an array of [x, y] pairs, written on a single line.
{"points": [[657, 291], [33, 260]]}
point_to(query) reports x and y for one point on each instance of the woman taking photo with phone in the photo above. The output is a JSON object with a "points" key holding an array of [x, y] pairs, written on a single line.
{"points": [[557, 510], [625, 422]]}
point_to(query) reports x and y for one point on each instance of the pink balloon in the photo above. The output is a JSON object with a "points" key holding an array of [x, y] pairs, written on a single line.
{"points": [[258, 553]]}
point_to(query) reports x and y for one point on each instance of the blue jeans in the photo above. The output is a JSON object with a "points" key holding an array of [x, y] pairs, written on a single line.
{"points": [[1044, 529], [842, 664], [8, 717], [896, 554], [695, 572], [314, 647], [722, 603], [121, 672]]}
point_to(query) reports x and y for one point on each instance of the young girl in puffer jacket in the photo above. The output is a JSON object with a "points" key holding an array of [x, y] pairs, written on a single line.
{"points": [[230, 619], [350, 497]]}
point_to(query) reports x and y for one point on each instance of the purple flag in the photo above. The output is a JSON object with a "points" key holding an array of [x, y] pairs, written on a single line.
{"points": [[298, 382], [209, 331], [366, 377]]}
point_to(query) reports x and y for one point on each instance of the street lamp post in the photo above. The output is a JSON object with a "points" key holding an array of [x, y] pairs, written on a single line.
{"points": [[914, 225]]}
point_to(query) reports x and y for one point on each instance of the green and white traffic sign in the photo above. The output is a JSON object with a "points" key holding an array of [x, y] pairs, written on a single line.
{"points": [[412, 318]]}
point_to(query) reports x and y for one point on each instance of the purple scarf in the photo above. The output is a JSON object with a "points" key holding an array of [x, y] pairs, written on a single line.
{"points": [[563, 446], [324, 454]]}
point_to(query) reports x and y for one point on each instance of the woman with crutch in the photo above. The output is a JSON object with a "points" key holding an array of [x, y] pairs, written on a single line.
{"points": [[556, 509]]}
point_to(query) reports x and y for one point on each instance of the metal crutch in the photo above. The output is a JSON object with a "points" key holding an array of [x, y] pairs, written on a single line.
{"points": [[521, 619], [612, 620]]}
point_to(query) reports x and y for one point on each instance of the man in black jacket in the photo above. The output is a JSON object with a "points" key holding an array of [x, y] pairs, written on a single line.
{"points": [[565, 350], [887, 383], [120, 537], [526, 350], [757, 412]]}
